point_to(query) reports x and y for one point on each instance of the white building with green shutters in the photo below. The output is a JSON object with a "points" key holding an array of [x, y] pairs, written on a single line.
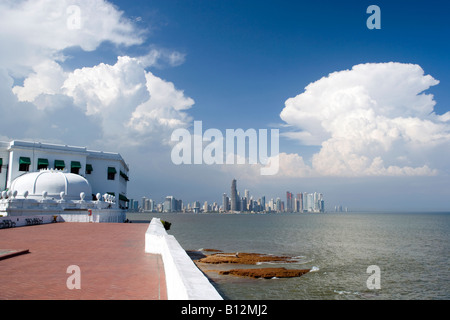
{"points": [[106, 172]]}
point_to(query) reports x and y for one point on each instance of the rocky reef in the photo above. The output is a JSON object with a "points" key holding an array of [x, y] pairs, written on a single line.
{"points": [[243, 258], [267, 273]]}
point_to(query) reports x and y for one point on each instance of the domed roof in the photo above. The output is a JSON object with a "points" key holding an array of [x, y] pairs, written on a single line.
{"points": [[53, 182]]}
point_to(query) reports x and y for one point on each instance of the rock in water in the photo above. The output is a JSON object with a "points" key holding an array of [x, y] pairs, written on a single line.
{"points": [[243, 258], [266, 273]]}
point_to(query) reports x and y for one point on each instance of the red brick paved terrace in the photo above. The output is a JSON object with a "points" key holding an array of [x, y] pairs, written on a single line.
{"points": [[110, 256]]}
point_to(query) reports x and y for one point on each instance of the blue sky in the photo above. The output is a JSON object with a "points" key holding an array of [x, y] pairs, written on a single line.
{"points": [[247, 57], [235, 49], [235, 64]]}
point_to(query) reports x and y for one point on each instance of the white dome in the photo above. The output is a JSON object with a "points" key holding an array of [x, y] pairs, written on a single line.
{"points": [[53, 182]]}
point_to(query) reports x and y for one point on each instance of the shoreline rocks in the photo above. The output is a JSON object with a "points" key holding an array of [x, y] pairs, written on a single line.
{"points": [[244, 258], [266, 273]]}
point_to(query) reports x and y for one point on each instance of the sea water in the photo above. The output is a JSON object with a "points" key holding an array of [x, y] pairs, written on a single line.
{"points": [[411, 251]]}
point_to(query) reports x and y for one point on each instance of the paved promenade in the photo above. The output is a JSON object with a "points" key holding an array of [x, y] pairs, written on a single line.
{"points": [[111, 258]]}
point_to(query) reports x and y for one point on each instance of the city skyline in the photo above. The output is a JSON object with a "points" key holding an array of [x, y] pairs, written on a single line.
{"points": [[363, 114], [303, 202]]}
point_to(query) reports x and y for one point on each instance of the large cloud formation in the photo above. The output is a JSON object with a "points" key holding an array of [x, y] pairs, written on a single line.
{"points": [[33, 31], [118, 104], [372, 120]]}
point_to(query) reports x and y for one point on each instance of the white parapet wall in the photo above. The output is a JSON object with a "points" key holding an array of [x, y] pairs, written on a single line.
{"points": [[92, 215], [183, 279], [101, 216], [20, 221]]}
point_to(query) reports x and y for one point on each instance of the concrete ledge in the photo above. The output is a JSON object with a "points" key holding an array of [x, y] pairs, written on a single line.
{"points": [[109, 215], [184, 280], [20, 221]]}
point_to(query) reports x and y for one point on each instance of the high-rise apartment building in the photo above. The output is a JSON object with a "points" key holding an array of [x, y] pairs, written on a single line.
{"points": [[234, 197], [278, 205], [298, 203], [289, 202], [225, 202]]}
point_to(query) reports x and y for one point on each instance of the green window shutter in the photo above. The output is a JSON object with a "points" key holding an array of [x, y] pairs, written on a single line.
{"points": [[124, 175], [59, 164], [112, 170], [42, 162], [24, 160], [89, 167], [75, 165]]}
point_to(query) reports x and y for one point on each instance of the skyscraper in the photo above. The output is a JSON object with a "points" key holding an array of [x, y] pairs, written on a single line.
{"points": [[289, 202], [278, 205], [168, 204], [225, 201], [300, 202], [234, 196], [246, 202], [310, 202], [143, 203]]}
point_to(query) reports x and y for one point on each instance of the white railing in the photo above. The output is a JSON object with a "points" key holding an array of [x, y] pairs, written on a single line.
{"points": [[183, 279]]}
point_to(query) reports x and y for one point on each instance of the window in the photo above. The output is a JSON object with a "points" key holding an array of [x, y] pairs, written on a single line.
{"points": [[89, 168], [59, 164], [1, 164], [24, 164], [75, 167], [124, 175], [42, 164], [111, 173]]}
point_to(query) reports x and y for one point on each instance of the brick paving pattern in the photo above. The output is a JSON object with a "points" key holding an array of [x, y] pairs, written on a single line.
{"points": [[111, 258]]}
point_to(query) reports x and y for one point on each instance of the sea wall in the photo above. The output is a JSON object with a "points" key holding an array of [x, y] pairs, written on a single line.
{"points": [[183, 279], [97, 215], [20, 221], [100, 216]]}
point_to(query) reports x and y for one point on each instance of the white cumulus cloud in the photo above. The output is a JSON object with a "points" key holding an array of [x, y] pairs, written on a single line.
{"points": [[121, 103], [374, 119], [162, 112], [34, 31]]}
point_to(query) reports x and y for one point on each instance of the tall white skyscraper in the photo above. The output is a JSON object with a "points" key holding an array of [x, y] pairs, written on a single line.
{"points": [[225, 202]]}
